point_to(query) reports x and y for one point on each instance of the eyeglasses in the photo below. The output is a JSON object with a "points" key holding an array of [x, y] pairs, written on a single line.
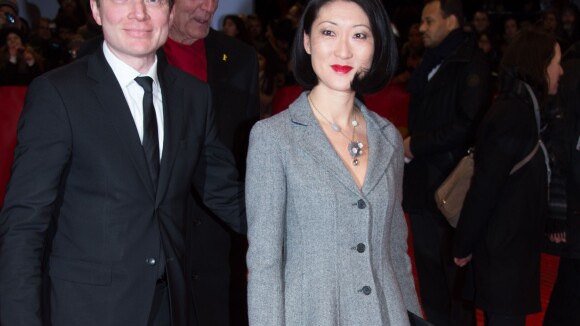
{"points": [[149, 3]]}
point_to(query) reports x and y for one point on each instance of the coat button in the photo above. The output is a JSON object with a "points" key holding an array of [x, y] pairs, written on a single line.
{"points": [[151, 261], [360, 247], [196, 222], [366, 290], [361, 204]]}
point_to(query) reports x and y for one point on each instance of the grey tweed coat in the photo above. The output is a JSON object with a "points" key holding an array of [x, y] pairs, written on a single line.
{"points": [[322, 251]]}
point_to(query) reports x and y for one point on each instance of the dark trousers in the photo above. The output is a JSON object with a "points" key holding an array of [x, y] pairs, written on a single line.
{"points": [[564, 306], [492, 319], [441, 282], [160, 314]]}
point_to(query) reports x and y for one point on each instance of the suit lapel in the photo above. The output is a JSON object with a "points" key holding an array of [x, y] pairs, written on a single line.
{"points": [[113, 102], [381, 152], [217, 60], [315, 143], [173, 96]]}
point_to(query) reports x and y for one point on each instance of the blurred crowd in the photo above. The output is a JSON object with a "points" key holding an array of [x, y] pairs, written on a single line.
{"points": [[29, 48]]}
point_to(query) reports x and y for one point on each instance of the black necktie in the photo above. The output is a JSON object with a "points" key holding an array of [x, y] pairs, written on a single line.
{"points": [[150, 135]]}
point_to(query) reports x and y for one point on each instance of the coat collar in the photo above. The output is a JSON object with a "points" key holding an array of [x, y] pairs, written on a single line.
{"points": [[315, 143]]}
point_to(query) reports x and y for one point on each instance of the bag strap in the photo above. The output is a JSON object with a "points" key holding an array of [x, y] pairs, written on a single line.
{"points": [[539, 143], [526, 159]]}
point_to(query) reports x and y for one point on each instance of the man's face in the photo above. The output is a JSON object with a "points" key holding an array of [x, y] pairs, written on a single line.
{"points": [[434, 26], [133, 29], [480, 21], [192, 20]]}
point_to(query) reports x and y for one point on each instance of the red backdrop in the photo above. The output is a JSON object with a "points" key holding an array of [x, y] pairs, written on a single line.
{"points": [[12, 98]]}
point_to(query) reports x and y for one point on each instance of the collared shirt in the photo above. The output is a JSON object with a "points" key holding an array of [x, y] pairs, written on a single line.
{"points": [[134, 92]]}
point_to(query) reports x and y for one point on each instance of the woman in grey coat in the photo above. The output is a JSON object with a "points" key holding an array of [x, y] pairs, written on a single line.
{"points": [[327, 235]]}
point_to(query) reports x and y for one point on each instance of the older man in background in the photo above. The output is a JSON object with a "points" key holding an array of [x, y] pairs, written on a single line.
{"points": [[230, 67]]}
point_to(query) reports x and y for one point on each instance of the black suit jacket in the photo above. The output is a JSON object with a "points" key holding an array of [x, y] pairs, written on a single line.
{"points": [[79, 170], [442, 123], [217, 254]]}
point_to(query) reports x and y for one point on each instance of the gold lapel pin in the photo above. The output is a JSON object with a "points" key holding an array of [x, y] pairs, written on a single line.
{"points": [[225, 57]]}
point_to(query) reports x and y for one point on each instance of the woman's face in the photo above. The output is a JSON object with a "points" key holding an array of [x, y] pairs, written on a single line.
{"points": [[230, 28], [13, 41], [550, 23], [510, 28], [340, 44], [484, 43], [554, 71]]}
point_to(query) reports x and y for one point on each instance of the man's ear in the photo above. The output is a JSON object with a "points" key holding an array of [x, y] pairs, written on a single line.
{"points": [[452, 22], [96, 12]]}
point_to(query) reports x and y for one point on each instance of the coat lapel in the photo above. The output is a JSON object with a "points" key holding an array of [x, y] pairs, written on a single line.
{"points": [[381, 151], [173, 96], [217, 60], [113, 102], [314, 142]]}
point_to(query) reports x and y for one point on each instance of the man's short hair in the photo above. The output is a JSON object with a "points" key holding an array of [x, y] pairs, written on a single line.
{"points": [[451, 7]]}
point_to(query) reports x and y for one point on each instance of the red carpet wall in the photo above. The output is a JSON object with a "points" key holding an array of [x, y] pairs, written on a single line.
{"points": [[12, 99]]}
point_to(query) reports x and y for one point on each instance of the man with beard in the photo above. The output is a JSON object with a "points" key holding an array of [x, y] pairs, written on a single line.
{"points": [[450, 90]]}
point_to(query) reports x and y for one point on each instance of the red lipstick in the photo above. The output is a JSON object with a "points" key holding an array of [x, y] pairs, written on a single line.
{"points": [[341, 69]]}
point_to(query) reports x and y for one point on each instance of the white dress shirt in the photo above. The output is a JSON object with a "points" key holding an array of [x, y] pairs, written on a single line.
{"points": [[134, 92]]}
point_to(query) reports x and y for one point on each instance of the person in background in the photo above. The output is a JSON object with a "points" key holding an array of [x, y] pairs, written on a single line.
{"points": [[9, 18], [323, 185], [550, 21], [411, 53], [217, 254], [19, 62], [510, 28], [450, 90], [234, 26], [502, 221], [279, 36], [481, 22], [570, 31], [564, 233], [255, 31], [109, 149]]}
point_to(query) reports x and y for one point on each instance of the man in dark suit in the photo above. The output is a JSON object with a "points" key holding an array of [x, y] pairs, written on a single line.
{"points": [[449, 90], [217, 255], [109, 148]]}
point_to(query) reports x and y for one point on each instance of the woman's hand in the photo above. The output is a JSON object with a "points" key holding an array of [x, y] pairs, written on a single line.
{"points": [[559, 237], [462, 261]]}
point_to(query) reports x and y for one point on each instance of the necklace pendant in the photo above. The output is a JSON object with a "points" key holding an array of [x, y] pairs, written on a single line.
{"points": [[335, 127], [355, 148], [355, 162]]}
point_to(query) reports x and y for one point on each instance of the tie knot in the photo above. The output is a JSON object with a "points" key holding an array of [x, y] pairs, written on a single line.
{"points": [[146, 82]]}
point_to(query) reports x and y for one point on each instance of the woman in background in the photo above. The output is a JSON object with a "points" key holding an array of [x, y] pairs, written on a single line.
{"points": [[327, 235], [501, 229], [235, 27]]}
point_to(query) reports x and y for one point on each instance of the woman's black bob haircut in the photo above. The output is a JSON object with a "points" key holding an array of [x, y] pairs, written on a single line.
{"points": [[384, 56]]}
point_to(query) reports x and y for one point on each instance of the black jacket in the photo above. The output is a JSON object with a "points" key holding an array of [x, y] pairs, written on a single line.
{"points": [[503, 217], [564, 132], [442, 120]]}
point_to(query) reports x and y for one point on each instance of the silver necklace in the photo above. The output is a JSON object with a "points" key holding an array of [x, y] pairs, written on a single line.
{"points": [[355, 147]]}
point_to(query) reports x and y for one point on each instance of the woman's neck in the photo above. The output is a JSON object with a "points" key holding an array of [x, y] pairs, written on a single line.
{"points": [[337, 107]]}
